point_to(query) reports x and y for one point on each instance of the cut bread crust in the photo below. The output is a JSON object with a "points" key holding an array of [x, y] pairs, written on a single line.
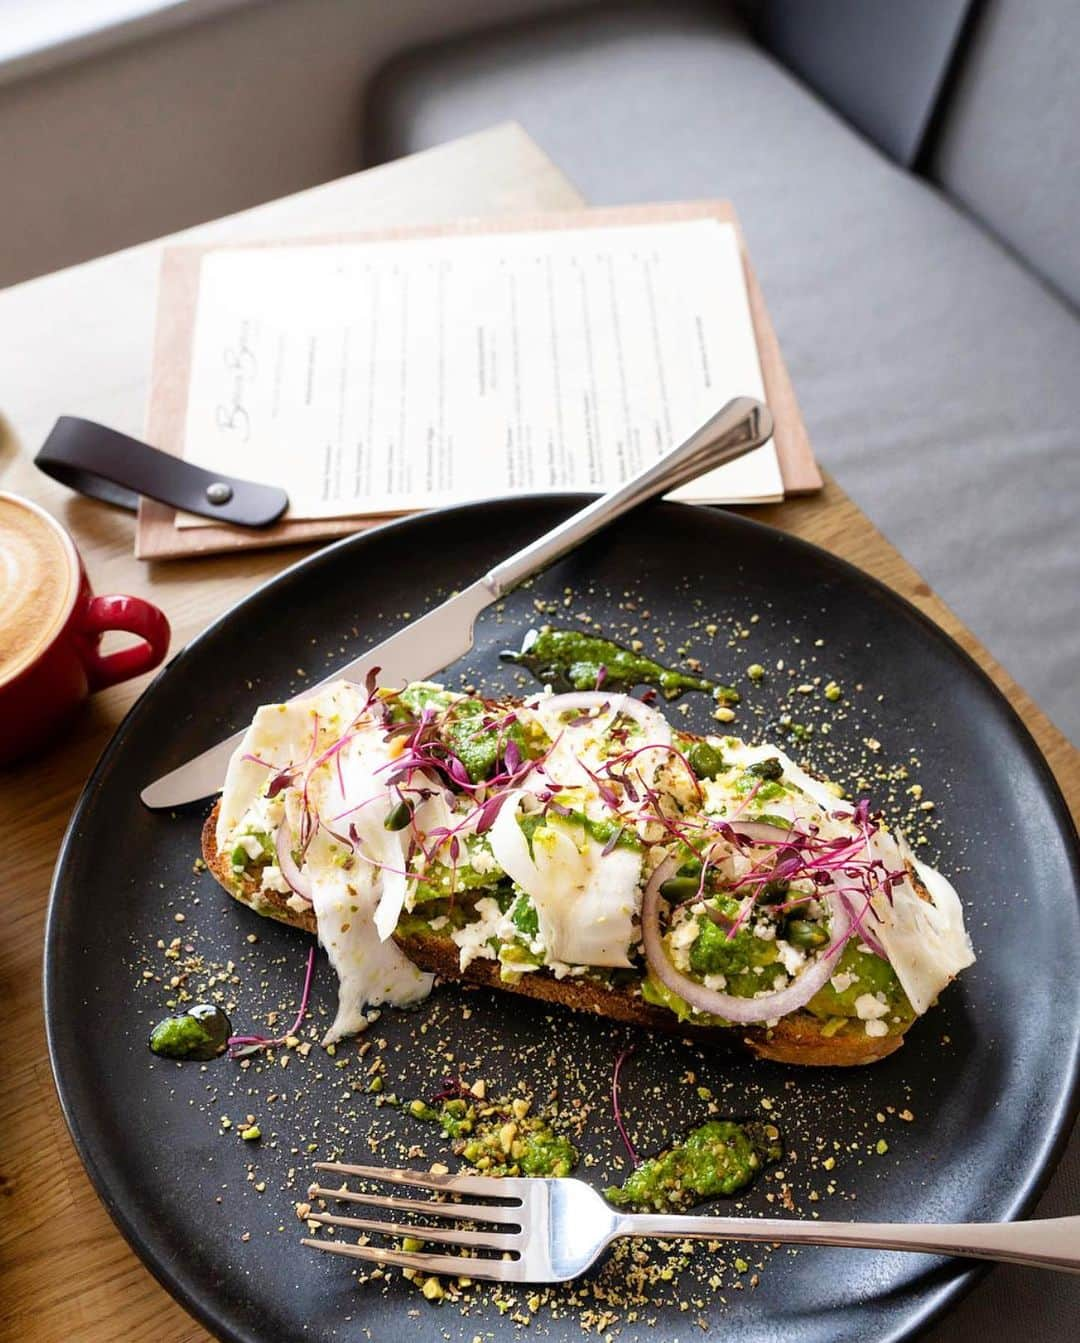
{"points": [[798, 1038]]}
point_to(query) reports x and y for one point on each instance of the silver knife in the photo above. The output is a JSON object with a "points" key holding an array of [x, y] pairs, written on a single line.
{"points": [[446, 633]]}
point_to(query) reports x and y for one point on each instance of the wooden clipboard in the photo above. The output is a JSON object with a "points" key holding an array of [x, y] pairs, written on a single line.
{"points": [[157, 536]]}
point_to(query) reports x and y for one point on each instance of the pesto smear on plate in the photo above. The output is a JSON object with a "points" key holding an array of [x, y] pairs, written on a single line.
{"points": [[571, 660], [719, 1157], [201, 1033]]}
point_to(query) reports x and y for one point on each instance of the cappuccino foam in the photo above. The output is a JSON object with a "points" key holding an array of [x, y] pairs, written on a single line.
{"points": [[37, 579]]}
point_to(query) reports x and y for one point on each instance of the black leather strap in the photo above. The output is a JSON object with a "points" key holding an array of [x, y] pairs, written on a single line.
{"points": [[98, 461]]}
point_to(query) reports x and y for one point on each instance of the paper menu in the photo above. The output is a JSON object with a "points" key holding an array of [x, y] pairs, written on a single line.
{"points": [[382, 377]]}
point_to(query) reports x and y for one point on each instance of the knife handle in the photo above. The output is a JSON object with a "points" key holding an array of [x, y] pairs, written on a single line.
{"points": [[742, 425]]}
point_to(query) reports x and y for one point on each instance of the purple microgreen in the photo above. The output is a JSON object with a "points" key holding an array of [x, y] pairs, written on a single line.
{"points": [[489, 811], [241, 1045], [280, 782], [616, 1108], [612, 841], [257, 760]]}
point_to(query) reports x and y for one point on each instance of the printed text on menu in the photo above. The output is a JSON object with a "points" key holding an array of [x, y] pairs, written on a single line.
{"points": [[385, 377]]}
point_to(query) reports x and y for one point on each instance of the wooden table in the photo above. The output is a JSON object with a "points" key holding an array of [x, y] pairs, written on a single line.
{"points": [[78, 342]]}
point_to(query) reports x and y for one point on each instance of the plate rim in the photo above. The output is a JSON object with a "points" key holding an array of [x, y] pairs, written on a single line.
{"points": [[939, 1298]]}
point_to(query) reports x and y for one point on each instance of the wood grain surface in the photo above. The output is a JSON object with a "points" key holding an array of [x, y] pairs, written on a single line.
{"points": [[78, 343]]}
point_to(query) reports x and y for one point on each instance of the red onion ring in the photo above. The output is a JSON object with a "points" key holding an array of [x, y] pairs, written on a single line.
{"points": [[760, 832], [744, 1011], [298, 883]]}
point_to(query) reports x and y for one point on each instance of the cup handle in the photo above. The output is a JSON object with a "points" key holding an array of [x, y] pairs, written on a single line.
{"points": [[134, 616]]}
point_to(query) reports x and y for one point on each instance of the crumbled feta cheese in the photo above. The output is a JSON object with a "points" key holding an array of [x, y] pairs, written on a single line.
{"points": [[842, 982], [272, 880], [869, 1008], [682, 938], [684, 934], [472, 939], [251, 846], [791, 958], [717, 983], [876, 1028], [480, 859]]}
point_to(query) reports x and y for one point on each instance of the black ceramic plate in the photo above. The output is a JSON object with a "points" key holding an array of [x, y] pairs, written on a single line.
{"points": [[987, 1078]]}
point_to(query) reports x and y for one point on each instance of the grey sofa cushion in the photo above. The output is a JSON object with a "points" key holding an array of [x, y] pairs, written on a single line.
{"points": [[1010, 139], [937, 375], [880, 64]]}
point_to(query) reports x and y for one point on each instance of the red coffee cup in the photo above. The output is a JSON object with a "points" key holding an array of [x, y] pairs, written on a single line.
{"points": [[51, 626]]}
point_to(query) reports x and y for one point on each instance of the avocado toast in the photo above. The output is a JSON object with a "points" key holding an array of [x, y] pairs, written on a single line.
{"points": [[578, 849]]}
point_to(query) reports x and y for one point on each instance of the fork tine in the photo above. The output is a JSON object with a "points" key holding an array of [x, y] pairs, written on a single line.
{"points": [[486, 1240], [451, 1264], [483, 1185], [461, 1212]]}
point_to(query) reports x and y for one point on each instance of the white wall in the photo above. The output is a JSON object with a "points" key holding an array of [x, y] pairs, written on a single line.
{"points": [[226, 111]]}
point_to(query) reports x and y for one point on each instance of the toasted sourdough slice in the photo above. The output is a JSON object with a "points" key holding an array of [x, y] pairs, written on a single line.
{"points": [[797, 1038]]}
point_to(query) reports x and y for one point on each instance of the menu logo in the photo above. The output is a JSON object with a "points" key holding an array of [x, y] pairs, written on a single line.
{"points": [[231, 415]]}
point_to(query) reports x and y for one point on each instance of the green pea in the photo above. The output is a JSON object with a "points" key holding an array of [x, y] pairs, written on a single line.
{"points": [[770, 768], [804, 934], [678, 889], [705, 760], [399, 816]]}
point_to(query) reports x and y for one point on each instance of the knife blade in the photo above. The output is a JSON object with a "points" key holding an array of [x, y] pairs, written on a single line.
{"points": [[446, 633], [433, 641]]}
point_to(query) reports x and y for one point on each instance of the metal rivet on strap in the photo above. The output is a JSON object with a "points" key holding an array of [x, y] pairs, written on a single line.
{"points": [[219, 492]]}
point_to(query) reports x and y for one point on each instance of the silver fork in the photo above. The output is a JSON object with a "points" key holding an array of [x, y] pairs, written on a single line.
{"points": [[553, 1230]]}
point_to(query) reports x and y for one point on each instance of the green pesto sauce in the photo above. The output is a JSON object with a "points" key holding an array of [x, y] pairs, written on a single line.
{"points": [[524, 917], [462, 728], [479, 748], [491, 1137], [201, 1033], [418, 696], [571, 660], [714, 953], [720, 1157]]}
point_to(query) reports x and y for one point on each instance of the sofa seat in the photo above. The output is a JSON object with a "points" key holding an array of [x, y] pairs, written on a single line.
{"points": [[940, 379]]}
